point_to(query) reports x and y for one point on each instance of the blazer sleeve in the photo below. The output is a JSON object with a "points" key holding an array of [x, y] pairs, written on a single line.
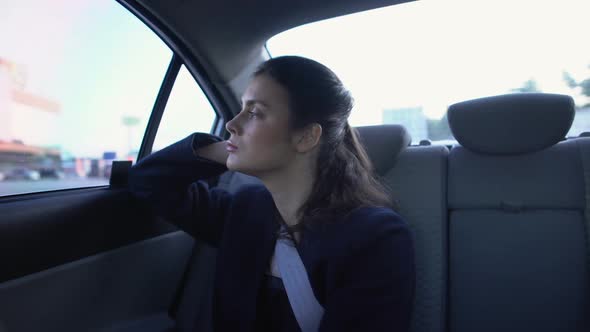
{"points": [[372, 282], [168, 183]]}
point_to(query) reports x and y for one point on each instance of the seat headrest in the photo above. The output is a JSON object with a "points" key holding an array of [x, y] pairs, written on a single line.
{"points": [[512, 124], [383, 143]]}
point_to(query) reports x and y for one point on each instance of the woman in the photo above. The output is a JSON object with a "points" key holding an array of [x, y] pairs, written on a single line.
{"points": [[319, 191]]}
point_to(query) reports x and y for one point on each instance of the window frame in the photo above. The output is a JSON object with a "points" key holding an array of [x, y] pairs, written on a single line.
{"points": [[181, 56], [159, 106]]}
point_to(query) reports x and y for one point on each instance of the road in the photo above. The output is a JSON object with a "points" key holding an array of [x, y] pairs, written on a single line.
{"points": [[12, 187]]}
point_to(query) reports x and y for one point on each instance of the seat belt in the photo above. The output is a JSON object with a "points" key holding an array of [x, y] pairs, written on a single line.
{"points": [[306, 308]]}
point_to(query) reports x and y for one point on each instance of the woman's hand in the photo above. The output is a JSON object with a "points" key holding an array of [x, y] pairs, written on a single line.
{"points": [[216, 152]]}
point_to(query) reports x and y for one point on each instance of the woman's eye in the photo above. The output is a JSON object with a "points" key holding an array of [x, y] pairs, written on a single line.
{"points": [[252, 114]]}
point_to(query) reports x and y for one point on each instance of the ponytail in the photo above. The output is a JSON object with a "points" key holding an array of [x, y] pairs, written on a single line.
{"points": [[353, 144], [344, 181]]}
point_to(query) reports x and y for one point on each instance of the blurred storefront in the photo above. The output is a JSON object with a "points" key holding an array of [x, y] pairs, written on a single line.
{"points": [[27, 123]]}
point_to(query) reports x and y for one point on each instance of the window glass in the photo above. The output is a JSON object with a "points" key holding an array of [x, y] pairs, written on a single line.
{"points": [[406, 63], [187, 111], [78, 80]]}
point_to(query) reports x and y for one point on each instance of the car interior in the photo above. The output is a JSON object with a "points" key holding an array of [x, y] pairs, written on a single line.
{"points": [[501, 217]]}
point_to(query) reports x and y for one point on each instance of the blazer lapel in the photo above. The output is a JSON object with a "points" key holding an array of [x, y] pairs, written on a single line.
{"points": [[244, 254]]}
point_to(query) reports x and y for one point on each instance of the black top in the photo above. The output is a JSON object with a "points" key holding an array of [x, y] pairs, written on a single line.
{"points": [[274, 312], [360, 265]]}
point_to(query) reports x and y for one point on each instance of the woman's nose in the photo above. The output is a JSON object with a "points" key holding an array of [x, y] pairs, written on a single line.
{"points": [[231, 126]]}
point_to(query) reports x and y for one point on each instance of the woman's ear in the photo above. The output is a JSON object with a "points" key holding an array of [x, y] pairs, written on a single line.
{"points": [[308, 138]]}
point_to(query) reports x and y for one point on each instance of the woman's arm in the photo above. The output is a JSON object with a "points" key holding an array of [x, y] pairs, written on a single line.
{"points": [[371, 284], [167, 182]]}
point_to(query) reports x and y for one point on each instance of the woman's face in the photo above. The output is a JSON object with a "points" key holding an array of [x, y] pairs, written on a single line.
{"points": [[260, 140]]}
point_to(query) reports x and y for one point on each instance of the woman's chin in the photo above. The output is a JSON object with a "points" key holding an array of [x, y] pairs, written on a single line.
{"points": [[233, 164]]}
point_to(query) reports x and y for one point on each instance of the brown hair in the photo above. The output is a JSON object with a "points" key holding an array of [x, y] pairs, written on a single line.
{"points": [[344, 176]]}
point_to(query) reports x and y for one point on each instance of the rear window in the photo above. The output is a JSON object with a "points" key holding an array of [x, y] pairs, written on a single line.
{"points": [[406, 63]]}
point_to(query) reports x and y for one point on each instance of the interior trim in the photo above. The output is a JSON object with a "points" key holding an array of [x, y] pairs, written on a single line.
{"points": [[159, 106], [99, 291]]}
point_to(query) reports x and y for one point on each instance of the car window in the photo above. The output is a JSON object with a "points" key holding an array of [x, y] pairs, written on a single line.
{"points": [[187, 111], [406, 63], [78, 80]]}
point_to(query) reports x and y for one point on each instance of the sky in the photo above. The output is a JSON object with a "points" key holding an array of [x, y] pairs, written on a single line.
{"points": [[101, 63], [432, 53]]}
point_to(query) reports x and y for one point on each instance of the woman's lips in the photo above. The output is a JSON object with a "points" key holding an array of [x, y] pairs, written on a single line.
{"points": [[230, 147]]}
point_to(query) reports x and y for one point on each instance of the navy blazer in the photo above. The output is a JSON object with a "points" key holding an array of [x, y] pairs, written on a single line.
{"points": [[361, 267]]}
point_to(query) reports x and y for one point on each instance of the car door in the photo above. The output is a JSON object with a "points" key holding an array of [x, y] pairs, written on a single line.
{"points": [[81, 86]]}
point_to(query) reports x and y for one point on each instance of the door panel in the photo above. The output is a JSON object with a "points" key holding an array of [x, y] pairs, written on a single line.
{"points": [[41, 231], [115, 290], [83, 259]]}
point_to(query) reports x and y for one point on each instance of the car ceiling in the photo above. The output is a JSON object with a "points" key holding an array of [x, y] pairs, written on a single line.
{"points": [[228, 36]]}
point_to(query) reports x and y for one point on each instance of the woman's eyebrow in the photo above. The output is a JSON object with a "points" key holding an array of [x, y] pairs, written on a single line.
{"points": [[254, 101]]}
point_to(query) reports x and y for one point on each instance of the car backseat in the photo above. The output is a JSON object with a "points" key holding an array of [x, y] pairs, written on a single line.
{"points": [[518, 258], [502, 241]]}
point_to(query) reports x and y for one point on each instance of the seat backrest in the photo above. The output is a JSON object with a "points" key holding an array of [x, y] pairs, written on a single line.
{"points": [[416, 176], [517, 229]]}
